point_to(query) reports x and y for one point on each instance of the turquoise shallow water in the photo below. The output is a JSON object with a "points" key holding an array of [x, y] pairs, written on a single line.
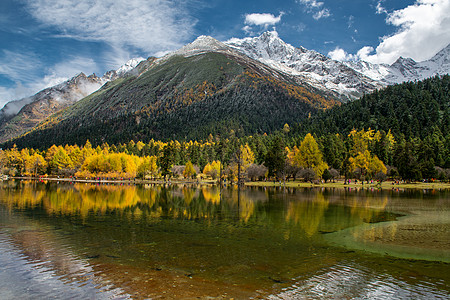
{"points": [[126, 241]]}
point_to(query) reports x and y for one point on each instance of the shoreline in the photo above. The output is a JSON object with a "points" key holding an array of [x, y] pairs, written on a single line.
{"points": [[289, 184]]}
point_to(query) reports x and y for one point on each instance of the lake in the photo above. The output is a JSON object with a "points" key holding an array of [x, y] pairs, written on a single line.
{"points": [[124, 241]]}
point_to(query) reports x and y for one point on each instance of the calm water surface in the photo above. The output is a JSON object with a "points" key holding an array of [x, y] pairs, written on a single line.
{"points": [[85, 241]]}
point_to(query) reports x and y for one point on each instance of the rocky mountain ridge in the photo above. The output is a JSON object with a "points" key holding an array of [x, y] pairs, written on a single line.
{"points": [[348, 79], [19, 116]]}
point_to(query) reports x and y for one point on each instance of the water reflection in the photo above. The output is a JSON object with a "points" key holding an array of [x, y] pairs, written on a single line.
{"points": [[211, 203], [203, 240]]}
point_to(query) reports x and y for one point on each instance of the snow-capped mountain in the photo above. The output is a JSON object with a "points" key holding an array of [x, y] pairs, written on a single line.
{"points": [[21, 115], [349, 79], [72, 89], [313, 67], [128, 66], [405, 69], [200, 45]]}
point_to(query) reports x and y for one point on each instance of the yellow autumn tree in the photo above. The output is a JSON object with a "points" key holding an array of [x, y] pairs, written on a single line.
{"points": [[368, 164], [361, 158], [35, 164], [189, 171], [212, 169], [148, 167], [309, 156], [244, 157]]}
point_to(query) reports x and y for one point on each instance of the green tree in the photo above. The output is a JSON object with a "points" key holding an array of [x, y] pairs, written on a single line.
{"points": [[275, 158], [167, 160]]}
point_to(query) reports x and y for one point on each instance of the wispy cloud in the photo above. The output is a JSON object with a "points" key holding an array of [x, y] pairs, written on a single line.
{"points": [[127, 26], [149, 25], [18, 66], [316, 8], [379, 9], [67, 69]]}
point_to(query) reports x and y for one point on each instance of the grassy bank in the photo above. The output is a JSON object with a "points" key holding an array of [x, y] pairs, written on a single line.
{"points": [[291, 184], [340, 184]]}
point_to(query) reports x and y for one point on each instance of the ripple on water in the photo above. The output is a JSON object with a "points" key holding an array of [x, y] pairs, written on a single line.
{"points": [[352, 281], [22, 278]]}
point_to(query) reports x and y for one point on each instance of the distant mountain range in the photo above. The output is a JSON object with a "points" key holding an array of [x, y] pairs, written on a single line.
{"points": [[17, 117], [348, 80], [245, 85]]}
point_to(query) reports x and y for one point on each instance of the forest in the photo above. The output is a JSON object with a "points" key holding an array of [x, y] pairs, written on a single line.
{"points": [[363, 155], [400, 132]]}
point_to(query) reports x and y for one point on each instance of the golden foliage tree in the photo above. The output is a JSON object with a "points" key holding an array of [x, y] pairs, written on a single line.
{"points": [[309, 156], [189, 171]]}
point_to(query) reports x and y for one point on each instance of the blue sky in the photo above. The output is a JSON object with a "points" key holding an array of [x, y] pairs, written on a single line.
{"points": [[44, 42]]}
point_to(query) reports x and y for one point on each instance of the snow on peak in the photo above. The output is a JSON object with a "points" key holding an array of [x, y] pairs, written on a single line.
{"points": [[267, 46], [202, 44], [318, 70], [129, 65], [341, 77]]}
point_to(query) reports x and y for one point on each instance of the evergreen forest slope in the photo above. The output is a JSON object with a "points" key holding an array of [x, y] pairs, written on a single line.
{"points": [[183, 98], [409, 110]]}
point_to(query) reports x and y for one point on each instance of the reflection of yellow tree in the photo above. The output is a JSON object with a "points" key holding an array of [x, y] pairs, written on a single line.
{"points": [[188, 194], [366, 208], [308, 214], [246, 207], [83, 199], [211, 194], [28, 197]]}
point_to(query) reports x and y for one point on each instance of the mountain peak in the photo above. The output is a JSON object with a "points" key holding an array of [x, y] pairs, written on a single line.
{"points": [[442, 56], [269, 35], [129, 65], [201, 45]]}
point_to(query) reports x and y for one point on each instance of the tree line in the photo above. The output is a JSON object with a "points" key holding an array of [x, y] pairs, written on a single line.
{"points": [[362, 154]]}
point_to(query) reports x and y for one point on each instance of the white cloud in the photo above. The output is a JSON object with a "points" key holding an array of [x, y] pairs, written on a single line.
{"points": [[311, 3], [338, 54], [262, 19], [149, 25], [350, 21], [316, 8], [323, 13], [247, 29], [364, 52], [380, 9], [341, 55], [423, 30]]}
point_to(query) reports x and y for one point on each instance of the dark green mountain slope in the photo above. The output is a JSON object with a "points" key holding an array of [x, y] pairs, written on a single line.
{"points": [[183, 97], [412, 109]]}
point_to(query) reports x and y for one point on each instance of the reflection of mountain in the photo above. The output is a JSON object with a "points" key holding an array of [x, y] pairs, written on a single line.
{"points": [[43, 266]]}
